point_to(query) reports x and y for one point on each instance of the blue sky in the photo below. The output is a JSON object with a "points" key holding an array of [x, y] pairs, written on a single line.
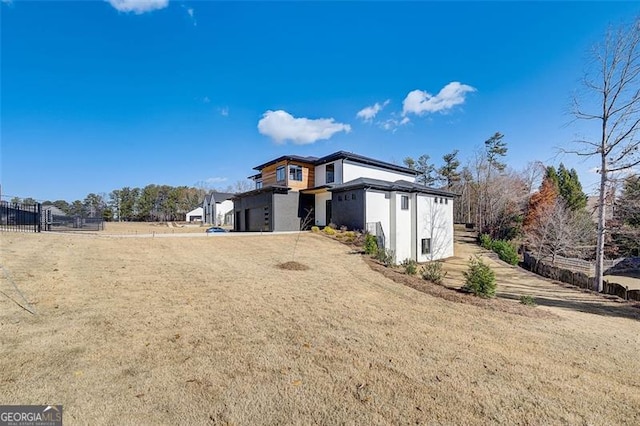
{"points": [[97, 95]]}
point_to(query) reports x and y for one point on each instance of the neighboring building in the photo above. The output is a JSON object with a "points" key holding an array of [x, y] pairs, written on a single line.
{"points": [[350, 190], [195, 215], [218, 208]]}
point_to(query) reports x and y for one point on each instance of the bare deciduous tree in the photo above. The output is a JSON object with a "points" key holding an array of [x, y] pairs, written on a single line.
{"points": [[612, 102], [558, 231]]}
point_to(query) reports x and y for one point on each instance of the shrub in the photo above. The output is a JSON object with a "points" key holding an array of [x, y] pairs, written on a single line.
{"points": [[433, 272], [370, 244], [480, 279], [485, 241], [343, 228], [350, 236], [506, 251], [315, 229], [329, 230], [386, 257], [410, 266], [525, 299]]}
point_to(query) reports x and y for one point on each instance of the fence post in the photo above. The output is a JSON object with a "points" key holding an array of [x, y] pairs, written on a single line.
{"points": [[39, 217]]}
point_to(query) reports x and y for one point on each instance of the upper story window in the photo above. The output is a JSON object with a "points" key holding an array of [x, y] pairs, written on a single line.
{"points": [[258, 184], [404, 202], [295, 173], [280, 176], [330, 173]]}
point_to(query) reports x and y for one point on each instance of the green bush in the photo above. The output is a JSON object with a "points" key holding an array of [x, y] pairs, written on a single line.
{"points": [[433, 272], [386, 257], [410, 266], [525, 299], [329, 230], [506, 251], [315, 229], [480, 279], [485, 241], [370, 244]]}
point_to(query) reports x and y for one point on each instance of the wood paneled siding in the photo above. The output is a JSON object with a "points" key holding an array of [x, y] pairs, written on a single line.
{"points": [[308, 177]]}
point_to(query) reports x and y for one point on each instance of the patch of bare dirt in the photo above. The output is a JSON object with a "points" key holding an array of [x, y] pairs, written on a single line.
{"points": [[293, 266]]}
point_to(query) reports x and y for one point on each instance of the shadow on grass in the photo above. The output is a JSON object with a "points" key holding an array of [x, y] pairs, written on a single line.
{"points": [[624, 310]]}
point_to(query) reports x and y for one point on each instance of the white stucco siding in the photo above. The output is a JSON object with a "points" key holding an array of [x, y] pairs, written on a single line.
{"points": [[352, 170], [321, 173], [434, 221], [224, 207], [402, 221], [377, 209], [321, 208]]}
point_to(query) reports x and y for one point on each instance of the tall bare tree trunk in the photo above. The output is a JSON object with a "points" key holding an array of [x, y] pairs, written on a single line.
{"points": [[597, 286]]}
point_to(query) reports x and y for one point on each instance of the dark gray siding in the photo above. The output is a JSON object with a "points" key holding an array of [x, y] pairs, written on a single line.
{"points": [[286, 215], [348, 208], [253, 212]]}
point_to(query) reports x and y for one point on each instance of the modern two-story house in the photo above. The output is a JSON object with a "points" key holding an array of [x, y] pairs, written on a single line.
{"points": [[350, 190]]}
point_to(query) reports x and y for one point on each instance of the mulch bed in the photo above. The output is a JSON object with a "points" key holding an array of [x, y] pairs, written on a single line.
{"points": [[457, 296]]}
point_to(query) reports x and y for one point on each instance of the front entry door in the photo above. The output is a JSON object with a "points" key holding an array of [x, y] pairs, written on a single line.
{"points": [[328, 211]]}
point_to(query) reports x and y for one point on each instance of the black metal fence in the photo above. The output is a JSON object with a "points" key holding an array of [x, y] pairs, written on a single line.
{"points": [[54, 222], [20, 217]]}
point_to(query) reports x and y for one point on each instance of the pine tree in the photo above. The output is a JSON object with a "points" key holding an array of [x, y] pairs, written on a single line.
{"points": [[449, 171]]}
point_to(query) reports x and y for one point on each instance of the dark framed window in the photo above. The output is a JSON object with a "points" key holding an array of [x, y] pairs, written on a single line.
{"points": [[446, 201], [426, 246], [353, 196], [339, 197], [280, 176], [258, 184], [330, 173], [295, 173], [404, 202]]}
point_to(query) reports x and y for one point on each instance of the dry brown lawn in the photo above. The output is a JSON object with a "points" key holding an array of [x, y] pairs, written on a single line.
{"points": [[210, 331], [142, 228]]}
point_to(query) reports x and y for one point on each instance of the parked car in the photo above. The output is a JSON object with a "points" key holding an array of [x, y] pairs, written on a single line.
{"points": [[215, 229]]}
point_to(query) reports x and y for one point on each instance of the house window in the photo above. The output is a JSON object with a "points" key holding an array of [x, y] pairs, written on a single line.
{"points": [[295, 173], [339, 197], [446, 201], [353, 196], [426, 246], [330, 173], [258, 184], [404, 202], [280, 174]]}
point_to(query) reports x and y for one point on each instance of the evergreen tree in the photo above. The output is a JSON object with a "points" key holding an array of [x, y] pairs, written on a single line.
{"points": [[449, 173], [568, 186]]}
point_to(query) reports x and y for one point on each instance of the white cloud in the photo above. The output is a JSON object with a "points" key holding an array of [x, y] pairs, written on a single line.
{"points": [[420, 102], [367, 114], [7, 2], [216, 180], [206, 100], [138, 6], [224, 111], [282, 126], [392, 124], [191, 14]]}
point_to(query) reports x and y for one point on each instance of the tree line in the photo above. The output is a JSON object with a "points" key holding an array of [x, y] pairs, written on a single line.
{"points": [[153, 203], [541, 207]]}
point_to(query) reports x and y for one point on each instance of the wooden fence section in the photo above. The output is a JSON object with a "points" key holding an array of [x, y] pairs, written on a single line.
{"points": [[579, 265], [544, 268]]}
